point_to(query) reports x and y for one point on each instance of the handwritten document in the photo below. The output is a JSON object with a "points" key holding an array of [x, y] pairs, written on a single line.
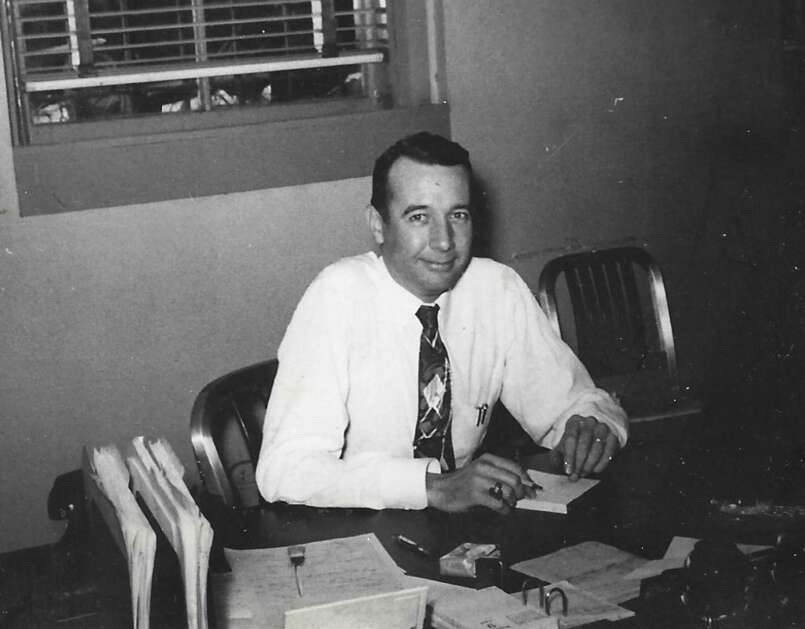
{"points": [[557, 492], [592, 566], [262, 586]]}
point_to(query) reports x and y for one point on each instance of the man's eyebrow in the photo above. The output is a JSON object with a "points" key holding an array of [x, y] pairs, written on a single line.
{"points": [[414, 208]]}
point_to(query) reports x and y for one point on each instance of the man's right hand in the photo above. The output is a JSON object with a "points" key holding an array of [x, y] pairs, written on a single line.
{"points": [[470, 486]]}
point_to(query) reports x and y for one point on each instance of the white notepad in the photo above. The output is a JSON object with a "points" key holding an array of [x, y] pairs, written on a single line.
{"points": [[557, 492]]}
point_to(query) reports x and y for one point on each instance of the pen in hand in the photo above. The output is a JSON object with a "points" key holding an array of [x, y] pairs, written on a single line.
{"points": [[528, 482], [407, 542], [532, 488]]}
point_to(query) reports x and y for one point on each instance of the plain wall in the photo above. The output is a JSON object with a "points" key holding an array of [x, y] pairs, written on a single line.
{"points": [[621, 122], [589, 123]]}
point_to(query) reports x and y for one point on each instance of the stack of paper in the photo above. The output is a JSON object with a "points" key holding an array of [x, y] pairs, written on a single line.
{"points": [[592, 566], [107, 485], [557, 492], [157, 476]]}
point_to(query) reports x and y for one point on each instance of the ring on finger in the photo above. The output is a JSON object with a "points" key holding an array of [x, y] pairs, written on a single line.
{"points": [[496, 491]]}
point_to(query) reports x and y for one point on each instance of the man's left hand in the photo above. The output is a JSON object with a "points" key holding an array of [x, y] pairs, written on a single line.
{"points": [[587, 447]]}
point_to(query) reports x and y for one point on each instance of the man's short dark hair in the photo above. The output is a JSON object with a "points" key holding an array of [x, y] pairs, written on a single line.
{"points": [[422, 147]]}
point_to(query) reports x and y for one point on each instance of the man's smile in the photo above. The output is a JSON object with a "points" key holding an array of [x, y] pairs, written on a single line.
{"points": [[440, 266]]}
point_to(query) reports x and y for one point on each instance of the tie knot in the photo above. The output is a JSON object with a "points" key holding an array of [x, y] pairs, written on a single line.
{"points": [[427, 316]]}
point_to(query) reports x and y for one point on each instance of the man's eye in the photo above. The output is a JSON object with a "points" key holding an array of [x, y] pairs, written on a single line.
{"points": [[417, 218], [461, 215]]}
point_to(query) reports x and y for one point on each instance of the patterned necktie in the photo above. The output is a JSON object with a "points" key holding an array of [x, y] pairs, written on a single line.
{"points": [[432, 438]]}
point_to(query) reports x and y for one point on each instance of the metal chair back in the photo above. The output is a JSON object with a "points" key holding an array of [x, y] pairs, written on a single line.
{"points": [[226, 431], [611, 307]]}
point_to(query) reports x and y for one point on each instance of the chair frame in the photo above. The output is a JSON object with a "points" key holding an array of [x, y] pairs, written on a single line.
{"points": [[208, 407], [612, 261]]}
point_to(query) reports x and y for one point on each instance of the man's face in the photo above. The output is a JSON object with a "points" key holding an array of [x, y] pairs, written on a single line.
{"points": [[426, 239]]}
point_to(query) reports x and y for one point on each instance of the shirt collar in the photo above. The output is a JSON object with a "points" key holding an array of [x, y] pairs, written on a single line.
{"points": [[401, 303]]}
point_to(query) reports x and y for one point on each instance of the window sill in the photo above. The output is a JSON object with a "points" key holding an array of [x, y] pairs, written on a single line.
{"points": [[97, 173]]}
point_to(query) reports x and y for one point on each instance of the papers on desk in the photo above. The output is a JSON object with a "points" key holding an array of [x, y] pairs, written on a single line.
{"points": [[106, 481], [157, 476], [436, 589], [557, 492], [675, 555], [583, 607], [592, 566], [490, 607], [261, 586], [155, 473]]}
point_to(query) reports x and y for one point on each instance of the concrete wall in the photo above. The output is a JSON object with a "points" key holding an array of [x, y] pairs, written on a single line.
{"points": [[589, 123]]}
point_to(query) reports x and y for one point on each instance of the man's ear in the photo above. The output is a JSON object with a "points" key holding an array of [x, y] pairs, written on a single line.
{"points": [[376, 223]]}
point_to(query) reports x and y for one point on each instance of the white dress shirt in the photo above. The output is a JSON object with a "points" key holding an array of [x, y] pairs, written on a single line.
{"points": [[340, 422]]}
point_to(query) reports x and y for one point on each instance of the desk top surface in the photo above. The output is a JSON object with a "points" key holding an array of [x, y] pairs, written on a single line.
{"points": [[648, 495]]}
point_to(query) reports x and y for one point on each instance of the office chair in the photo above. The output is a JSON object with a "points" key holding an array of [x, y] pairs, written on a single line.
{"points": [[226, 430], [610, 306]]}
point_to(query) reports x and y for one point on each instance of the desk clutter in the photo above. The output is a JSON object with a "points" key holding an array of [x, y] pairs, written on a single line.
{"points": [[353, 581], [342, 583]]}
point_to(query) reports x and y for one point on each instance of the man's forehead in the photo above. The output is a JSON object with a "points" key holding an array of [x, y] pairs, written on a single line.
{"points": [[409, 176]]}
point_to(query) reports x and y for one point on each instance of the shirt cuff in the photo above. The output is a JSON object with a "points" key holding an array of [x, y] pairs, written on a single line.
{"points": [[403, 482], [605, 412]]}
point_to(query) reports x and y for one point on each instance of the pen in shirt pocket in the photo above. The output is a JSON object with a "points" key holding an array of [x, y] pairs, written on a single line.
{"points": [[482, 410]]}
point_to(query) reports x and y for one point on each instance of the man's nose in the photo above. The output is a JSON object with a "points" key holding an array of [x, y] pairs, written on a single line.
{"points": [[442, 237]]}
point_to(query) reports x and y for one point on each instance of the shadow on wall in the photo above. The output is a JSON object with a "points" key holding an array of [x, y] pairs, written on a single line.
{"points": [[754, 284]]}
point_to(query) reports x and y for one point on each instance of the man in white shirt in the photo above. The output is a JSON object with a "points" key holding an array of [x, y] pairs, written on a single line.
{"points": [[391, 362]]}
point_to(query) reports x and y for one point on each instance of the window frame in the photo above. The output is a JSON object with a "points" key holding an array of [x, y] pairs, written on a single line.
{"points": [[117, 163]]}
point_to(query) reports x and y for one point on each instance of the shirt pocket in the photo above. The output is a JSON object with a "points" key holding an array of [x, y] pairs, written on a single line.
{"points": [[471, 415]]}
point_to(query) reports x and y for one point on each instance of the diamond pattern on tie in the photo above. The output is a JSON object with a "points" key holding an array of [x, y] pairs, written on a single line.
{"points": [[433, 438]]}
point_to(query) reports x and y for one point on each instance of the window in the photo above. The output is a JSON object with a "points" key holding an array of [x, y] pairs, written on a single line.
{"points": [[84, 60], [162, 79]]}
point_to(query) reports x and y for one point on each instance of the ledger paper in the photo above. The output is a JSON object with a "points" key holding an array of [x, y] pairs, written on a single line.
{"points": [[261, 584]]}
